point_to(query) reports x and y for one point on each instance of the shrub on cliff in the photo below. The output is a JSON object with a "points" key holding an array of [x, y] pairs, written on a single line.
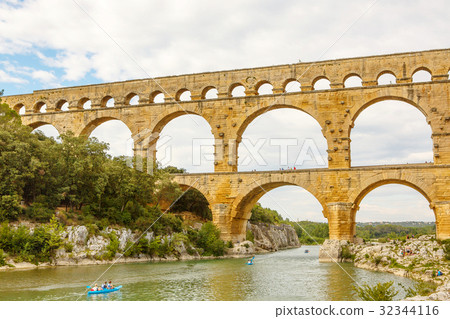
{"points": [[420, 288], [34, 246], [378, 292]]}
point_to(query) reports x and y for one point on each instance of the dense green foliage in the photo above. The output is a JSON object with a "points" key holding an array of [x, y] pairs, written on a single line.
{"points": [[208, 239], [378, 292], [38, 245], [265, 215], [76, 173], [311, 233], [392, 231]]}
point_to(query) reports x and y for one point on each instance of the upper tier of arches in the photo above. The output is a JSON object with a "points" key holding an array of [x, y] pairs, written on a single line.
{"points": [[303, 77]]}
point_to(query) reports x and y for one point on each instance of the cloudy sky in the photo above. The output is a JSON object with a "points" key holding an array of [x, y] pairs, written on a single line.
{"points": [[49, 43]]}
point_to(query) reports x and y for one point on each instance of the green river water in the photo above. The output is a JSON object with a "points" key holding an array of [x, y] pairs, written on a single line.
{"points": [[284, 275]]}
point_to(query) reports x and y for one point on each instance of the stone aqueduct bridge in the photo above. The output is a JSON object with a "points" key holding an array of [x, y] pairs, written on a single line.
{"points": [[339, 188]]}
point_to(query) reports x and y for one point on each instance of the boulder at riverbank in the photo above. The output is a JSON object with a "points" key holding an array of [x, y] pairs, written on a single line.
{"points": [[332, 250]]}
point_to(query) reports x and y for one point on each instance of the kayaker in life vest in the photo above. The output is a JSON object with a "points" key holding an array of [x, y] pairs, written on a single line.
{"points": [[105, 285], [110, 285]]}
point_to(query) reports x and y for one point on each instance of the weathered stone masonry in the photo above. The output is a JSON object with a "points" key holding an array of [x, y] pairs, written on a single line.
{"points": [[339, 188]]}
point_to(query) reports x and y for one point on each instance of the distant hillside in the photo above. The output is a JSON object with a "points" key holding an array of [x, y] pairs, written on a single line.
{"points": [[404, 224]]}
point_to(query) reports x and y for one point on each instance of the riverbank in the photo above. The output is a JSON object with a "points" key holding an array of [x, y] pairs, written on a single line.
{"points": [[81, 246], [416, 258]]}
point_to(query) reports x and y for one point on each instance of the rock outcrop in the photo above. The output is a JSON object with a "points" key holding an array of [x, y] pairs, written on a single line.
{"points": [[268, 237], [332, 250]]}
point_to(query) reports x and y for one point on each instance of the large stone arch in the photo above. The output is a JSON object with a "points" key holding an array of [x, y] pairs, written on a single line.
{"points": [[388, 98], [146, 142], [94, 123], [249, 118], [254, 113], [248, 197], [410, 181], [37, 124], [423, 109], [165, 117], [200, 188], [422, 184]]}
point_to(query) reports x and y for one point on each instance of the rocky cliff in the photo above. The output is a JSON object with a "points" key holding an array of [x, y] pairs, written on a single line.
{"points": [[268, 237], [82, 246]]}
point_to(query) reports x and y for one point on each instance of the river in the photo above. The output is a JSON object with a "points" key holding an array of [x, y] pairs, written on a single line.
{"points": [[284, 275]]}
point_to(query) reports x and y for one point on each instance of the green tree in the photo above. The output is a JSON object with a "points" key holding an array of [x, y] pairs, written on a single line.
{"points": [[82, 167], [265, 215], [208, 239]]}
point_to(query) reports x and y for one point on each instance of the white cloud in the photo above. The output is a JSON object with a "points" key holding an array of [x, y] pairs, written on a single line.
{"points": [[5, 78], [43, 76]]}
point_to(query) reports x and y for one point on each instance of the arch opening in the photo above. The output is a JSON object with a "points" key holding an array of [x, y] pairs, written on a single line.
{"points": [[192, 205], [65, 107], [40, 107], [20, 108], [157, 97], [132, 99], [390, 132], [107, 101], [265, 89], [46, 129], [292, 86], [421, 75], [321, 83], [183, 95], [384, 209], [115, 133], [85, 104], [210, 93], [285, 201], [237, 90], [353, 81], [185, 141], [283, 138], [386, 78]]}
